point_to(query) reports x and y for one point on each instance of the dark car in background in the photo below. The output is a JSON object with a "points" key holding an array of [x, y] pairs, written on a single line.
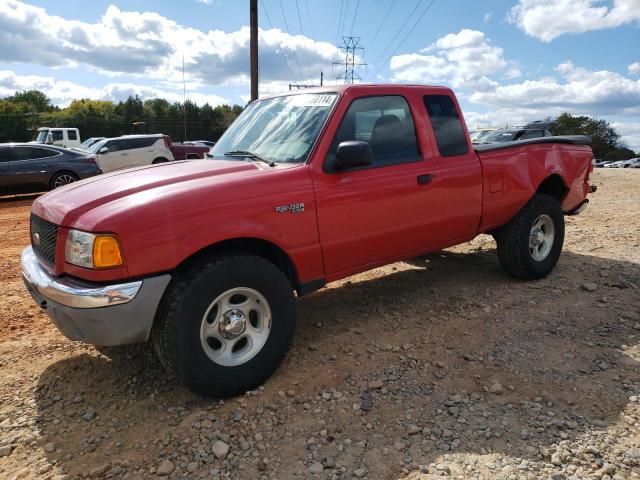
{"points": [[28, 167], [513, 134]]}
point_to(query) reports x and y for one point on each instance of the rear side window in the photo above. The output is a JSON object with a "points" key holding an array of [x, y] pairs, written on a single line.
{"points": [[32, 153], [142, 142], [56, 135], [6, 154], [385, 123], [72, 134], [446, 124]]}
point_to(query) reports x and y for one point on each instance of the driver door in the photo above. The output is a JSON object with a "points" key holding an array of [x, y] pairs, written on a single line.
{"points": [[116, 157], [390, 208]]}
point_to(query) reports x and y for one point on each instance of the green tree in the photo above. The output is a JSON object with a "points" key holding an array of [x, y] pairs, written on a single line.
{"points": [[604, 138], [35, 99]]}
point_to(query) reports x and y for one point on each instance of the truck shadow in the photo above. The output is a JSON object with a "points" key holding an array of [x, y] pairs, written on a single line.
{"points": [[481, 363]]}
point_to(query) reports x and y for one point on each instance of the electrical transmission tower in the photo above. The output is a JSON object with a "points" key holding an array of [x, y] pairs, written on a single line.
{"points": [[350, 46]]}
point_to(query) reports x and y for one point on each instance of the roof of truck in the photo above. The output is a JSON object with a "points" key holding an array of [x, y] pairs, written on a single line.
{"points": [[370, 86]]}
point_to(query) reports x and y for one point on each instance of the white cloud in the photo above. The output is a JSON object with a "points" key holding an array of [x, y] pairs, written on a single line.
{"points": [[62, 92], [463, 59], [150, 45], [630, 134], [548, 19], [581, 91], [634, 68]]}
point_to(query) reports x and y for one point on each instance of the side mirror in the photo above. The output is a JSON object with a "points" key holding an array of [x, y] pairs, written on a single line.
{"points": [[353, 153], [49, 140], [103, 150]]}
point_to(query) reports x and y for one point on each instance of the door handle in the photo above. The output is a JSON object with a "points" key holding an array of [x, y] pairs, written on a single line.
{"points": [[425, 179], [124, 154]]}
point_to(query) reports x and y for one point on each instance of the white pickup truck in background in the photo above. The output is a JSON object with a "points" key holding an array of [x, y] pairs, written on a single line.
{"points": [[61, 137]]}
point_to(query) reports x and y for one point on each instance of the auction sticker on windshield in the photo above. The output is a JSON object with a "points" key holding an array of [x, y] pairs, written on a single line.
{"points": [[313, 100]]}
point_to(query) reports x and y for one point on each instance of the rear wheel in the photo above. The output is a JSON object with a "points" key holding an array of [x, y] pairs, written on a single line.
{"points": [[224, 327], [529, 246], [61, 179], [159, 160]]}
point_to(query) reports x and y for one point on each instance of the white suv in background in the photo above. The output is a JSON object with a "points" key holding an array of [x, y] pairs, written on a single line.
{"points": [[132, 151], [60, 137]]}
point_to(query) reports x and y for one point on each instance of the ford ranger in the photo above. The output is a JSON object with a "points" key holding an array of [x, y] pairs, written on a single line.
{"points": [[205, 258]]}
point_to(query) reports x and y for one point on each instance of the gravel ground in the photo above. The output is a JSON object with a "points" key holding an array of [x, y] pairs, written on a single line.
{"points": [[441, 366]]}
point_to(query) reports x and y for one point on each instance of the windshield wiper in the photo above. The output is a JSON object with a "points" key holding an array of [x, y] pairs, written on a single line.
{"points": [[246, 153]]}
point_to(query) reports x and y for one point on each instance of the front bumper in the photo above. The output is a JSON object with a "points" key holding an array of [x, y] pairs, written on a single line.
{"points": [[106, 315]]}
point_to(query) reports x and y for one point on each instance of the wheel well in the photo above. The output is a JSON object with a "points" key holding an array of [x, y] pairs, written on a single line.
{"points": [[254, 246], [554, 186], [159, 160]]}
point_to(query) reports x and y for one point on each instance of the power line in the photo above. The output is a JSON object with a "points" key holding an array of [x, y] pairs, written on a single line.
{"points": [[404, 39], [286, 26], [375, 35], [286, 62], [344, 17], [313, 33], [306, 52], [339, 21], [355, 15], [397, 33]]}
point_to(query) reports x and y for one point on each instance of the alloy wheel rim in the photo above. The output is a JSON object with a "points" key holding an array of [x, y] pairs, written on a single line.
{"points": [[63, 180], [235, 326], [541, 237]]}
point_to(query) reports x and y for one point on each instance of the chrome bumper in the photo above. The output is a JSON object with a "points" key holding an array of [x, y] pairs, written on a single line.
{"points": [[72, 293], [107, 315]]}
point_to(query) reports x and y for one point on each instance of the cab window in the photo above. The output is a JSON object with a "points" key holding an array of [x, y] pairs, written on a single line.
{"points": [[72, 135], [446, 125], [386, 124], [56, 135]]}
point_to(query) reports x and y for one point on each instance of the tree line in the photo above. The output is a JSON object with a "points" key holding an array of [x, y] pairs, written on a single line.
{"points": [[22, 113]]}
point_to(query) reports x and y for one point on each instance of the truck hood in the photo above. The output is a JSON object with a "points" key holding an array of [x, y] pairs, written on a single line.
{"points": [[64, 205]]}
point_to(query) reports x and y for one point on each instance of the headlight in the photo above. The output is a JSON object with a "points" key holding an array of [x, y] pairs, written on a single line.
{"points": [[92, 250]]}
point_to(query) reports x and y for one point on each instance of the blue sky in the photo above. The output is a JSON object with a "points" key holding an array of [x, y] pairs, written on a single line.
{"points": [[508, 61]]}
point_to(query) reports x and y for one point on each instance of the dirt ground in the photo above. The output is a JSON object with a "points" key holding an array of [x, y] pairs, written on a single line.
{"points": [[442, 366]]}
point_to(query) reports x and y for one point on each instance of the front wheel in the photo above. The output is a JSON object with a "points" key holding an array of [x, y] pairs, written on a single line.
{"points": [[226, 325], [529, 246]]}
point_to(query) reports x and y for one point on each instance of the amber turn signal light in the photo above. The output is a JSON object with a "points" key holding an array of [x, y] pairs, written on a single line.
{"points": [[106, 252]]}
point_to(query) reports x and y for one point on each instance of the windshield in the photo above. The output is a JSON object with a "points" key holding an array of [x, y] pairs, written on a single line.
{"points": [[42, 136], [88, 142], [280, 129], [499, 137], [97, 146]]}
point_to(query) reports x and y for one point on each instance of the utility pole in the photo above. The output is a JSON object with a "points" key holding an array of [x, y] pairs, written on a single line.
{"points": [[184, 102], [298, 86], [253, 47], [350, 45]]}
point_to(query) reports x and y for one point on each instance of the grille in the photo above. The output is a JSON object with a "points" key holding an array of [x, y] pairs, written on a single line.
{"points": [[48, 234]]}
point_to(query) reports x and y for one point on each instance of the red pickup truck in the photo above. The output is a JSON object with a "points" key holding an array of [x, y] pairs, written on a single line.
{"points": [[186, 151], [205, 257]]}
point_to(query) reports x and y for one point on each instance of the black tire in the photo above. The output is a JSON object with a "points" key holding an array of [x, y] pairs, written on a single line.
{"points": [[513, 239], [159, 160], [176, 333], [62, 178]]}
